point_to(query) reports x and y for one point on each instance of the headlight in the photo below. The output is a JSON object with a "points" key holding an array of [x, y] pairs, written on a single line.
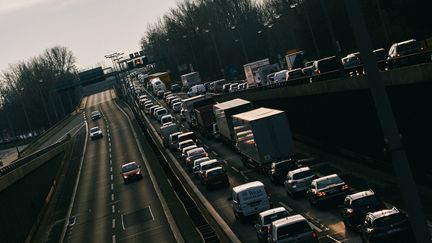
{"points": [[344, 187], [125, 176]]}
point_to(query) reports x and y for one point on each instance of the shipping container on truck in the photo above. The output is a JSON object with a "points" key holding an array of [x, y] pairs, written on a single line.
{"points": [[265, 137], [187, 108], [165, 77], [190, 79], [223, 112], [250, 71], [204, 115]]}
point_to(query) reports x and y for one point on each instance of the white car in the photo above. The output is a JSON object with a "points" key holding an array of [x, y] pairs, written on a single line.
{"points": [[166, 119], [95, 132]]}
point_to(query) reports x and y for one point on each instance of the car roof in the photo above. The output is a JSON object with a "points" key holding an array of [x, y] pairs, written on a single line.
{"points": [[176, 133], [283, 161], [197, 149], [129, 163], [96, 127], [95, 112], [167, 115], [299, 170], [186, 141], [405, 42], [213, 169], [326, 177], [189, 147], [209, 162], [288, 220], [205, 159], [247, 186], [362, 194], [383, 213], [272, 211]]}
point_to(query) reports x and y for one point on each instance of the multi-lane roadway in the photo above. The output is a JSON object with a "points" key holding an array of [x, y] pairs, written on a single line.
{"points": [[104, 209]]}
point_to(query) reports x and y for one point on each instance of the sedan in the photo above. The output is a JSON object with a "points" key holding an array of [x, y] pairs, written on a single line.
{"points": [[327, 188], [131, 171], [95, 132]]}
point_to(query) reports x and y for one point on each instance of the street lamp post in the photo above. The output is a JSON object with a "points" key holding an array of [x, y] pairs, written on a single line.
{"points": [[241, 43], [43, 102], [25, 111], [217, 51]]}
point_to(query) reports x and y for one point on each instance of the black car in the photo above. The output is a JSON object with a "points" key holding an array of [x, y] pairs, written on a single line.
{"points": [[327, 188], [175, 88], [357, 205], [388, 225], [279, 170], [95, 115]]}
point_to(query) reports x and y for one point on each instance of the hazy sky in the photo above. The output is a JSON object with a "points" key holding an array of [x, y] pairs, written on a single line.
{"points": [[90, 28]]}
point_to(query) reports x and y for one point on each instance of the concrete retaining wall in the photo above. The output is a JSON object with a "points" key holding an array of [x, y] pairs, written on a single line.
{"points": [[24, 191]]}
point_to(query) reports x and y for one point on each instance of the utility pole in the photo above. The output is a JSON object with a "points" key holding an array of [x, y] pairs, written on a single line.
{"points": [[386, 117]]}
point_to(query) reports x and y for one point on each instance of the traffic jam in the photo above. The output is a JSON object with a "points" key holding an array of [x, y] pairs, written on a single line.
{"points": [[243, 160]]}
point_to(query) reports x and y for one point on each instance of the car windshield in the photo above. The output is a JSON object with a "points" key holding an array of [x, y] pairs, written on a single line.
{"points": [[371, 200], [196, 152], [184, 145], [303, 174], [95, 113], [273, 217], [94, 129], [389, 220], [334, 180], [129, 167]]}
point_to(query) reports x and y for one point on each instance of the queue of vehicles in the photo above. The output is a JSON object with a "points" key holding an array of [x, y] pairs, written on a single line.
{"points": [[263, 138]]}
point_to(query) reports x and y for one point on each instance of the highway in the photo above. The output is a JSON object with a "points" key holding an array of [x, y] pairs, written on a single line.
{"points": [[105, 209], [327, 221]]}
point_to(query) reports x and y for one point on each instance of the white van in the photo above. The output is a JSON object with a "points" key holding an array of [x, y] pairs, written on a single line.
{"points": [[250, 198], [157, 85], [196, 90]]}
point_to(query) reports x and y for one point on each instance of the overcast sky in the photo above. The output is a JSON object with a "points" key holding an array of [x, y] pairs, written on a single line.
{"points": [[90, 28]]}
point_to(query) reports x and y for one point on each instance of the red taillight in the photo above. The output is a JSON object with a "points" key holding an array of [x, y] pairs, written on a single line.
{"points": [[318, 72], [314, 234]]}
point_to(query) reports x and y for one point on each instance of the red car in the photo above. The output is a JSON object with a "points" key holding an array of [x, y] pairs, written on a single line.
{"points": [[131, 171]]}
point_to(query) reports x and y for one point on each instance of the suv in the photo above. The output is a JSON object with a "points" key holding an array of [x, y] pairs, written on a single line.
{"points": [[388, 225], [215, 176], [298, 180], [327, 188], [326, 68], [262, 227], [357, 205], [404, 48], [95, 115], [292, 229], [279, 170]]}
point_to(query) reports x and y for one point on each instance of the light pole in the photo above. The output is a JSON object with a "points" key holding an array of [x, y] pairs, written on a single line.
{"points": [[401, 167], [192, 52], [9, 123], [43, 102], [217, 51], [234, 28], [25, 110]]}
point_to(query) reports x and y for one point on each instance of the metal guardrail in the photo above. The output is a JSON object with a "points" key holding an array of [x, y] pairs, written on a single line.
{"points": [[22, 161]]}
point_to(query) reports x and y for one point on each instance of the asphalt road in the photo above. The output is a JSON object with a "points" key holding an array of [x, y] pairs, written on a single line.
{"points": [[104, 208], [327, 221]]}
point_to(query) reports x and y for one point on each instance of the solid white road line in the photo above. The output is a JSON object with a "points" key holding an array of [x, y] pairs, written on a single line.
{"points": [[286, 206], [76, 186], [112, 196]]}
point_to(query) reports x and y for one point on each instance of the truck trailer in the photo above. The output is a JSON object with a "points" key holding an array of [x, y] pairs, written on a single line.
{"points": [[187, 112], [250, 71], [223, 116], [264, 137], [204, 116], [190, 79]]}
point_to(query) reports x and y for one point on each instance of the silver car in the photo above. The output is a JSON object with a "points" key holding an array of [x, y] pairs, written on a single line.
{"points": [[299, 180]]}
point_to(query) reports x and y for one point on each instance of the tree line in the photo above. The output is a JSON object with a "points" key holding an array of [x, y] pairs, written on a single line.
{"points": [[37, 93], [217, 37]]}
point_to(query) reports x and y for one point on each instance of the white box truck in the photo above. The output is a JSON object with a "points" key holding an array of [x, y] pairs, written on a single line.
{"points": [[264, 137], [250, 71], [223, 116], [190, 79]]}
